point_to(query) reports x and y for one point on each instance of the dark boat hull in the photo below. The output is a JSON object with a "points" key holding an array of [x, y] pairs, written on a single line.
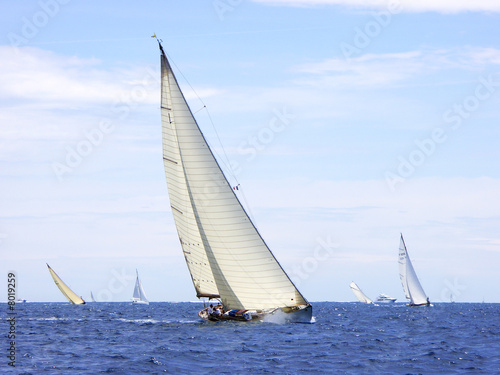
{"points": [[300, 314]]}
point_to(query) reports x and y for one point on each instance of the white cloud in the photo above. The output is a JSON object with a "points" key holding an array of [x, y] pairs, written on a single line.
{"points": [[51, 102], [367, 70], [392, 68], [422, 199], [416, 87], [440, 6], [48, 80]]}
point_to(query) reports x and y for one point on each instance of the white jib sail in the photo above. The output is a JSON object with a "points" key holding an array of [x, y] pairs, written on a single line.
{"points": [[359, 293], [411, 285], [139, 294], [225, 254], [65, 290]]}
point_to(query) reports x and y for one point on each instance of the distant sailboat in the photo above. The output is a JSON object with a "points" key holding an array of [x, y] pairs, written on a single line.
{"points": [[92, 299], [359, 293], [411, 286], [225, 254], [65, 290], [139, 295]]}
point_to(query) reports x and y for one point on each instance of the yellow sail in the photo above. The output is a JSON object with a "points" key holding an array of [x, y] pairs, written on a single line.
{"points": [[68, 293]]}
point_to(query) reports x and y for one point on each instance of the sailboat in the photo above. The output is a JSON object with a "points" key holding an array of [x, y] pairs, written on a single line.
{"points": [[226, 256], [139, 296], [359, 293], [65, 290], [92, 299], [411, 285]]}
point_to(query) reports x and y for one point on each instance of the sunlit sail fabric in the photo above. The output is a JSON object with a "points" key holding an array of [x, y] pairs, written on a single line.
{"points": [[359, 293], [225, 254], [411, 285], [68, 293]]}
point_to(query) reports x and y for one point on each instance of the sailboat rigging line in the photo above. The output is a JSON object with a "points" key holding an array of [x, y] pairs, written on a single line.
{"points": [[247, 206], [228, 165], [204, 106]]}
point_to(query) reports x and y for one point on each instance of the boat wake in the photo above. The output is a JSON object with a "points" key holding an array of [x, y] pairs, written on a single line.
{"points": [[279, 317]]}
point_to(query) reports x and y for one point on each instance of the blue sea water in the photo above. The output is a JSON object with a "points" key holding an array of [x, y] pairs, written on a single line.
{"points": [[346, 338]]}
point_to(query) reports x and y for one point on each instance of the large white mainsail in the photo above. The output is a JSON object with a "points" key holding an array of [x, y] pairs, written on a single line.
{"points": [[359, 293], [65, 290], [225, 254], [139, 296], [411, 285]]}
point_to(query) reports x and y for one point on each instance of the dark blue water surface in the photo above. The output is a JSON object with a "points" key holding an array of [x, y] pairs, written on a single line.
{"points": [[346, 338]]}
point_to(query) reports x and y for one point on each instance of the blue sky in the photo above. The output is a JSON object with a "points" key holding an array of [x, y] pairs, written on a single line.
{"points": [[345, 123]]}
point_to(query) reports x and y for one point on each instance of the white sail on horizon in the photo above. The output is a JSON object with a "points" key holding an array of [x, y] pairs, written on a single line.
{"points": [[411, 285], [65, 290], [139, 295], [226, 256], [359, 293]]}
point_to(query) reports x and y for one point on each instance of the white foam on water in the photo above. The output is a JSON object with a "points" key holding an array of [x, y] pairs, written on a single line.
{"points": [[277, 317]]}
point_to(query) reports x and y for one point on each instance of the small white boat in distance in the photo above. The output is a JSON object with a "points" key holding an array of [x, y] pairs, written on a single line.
{"points": [[139, 295], [384, 298], [359, 293]]}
